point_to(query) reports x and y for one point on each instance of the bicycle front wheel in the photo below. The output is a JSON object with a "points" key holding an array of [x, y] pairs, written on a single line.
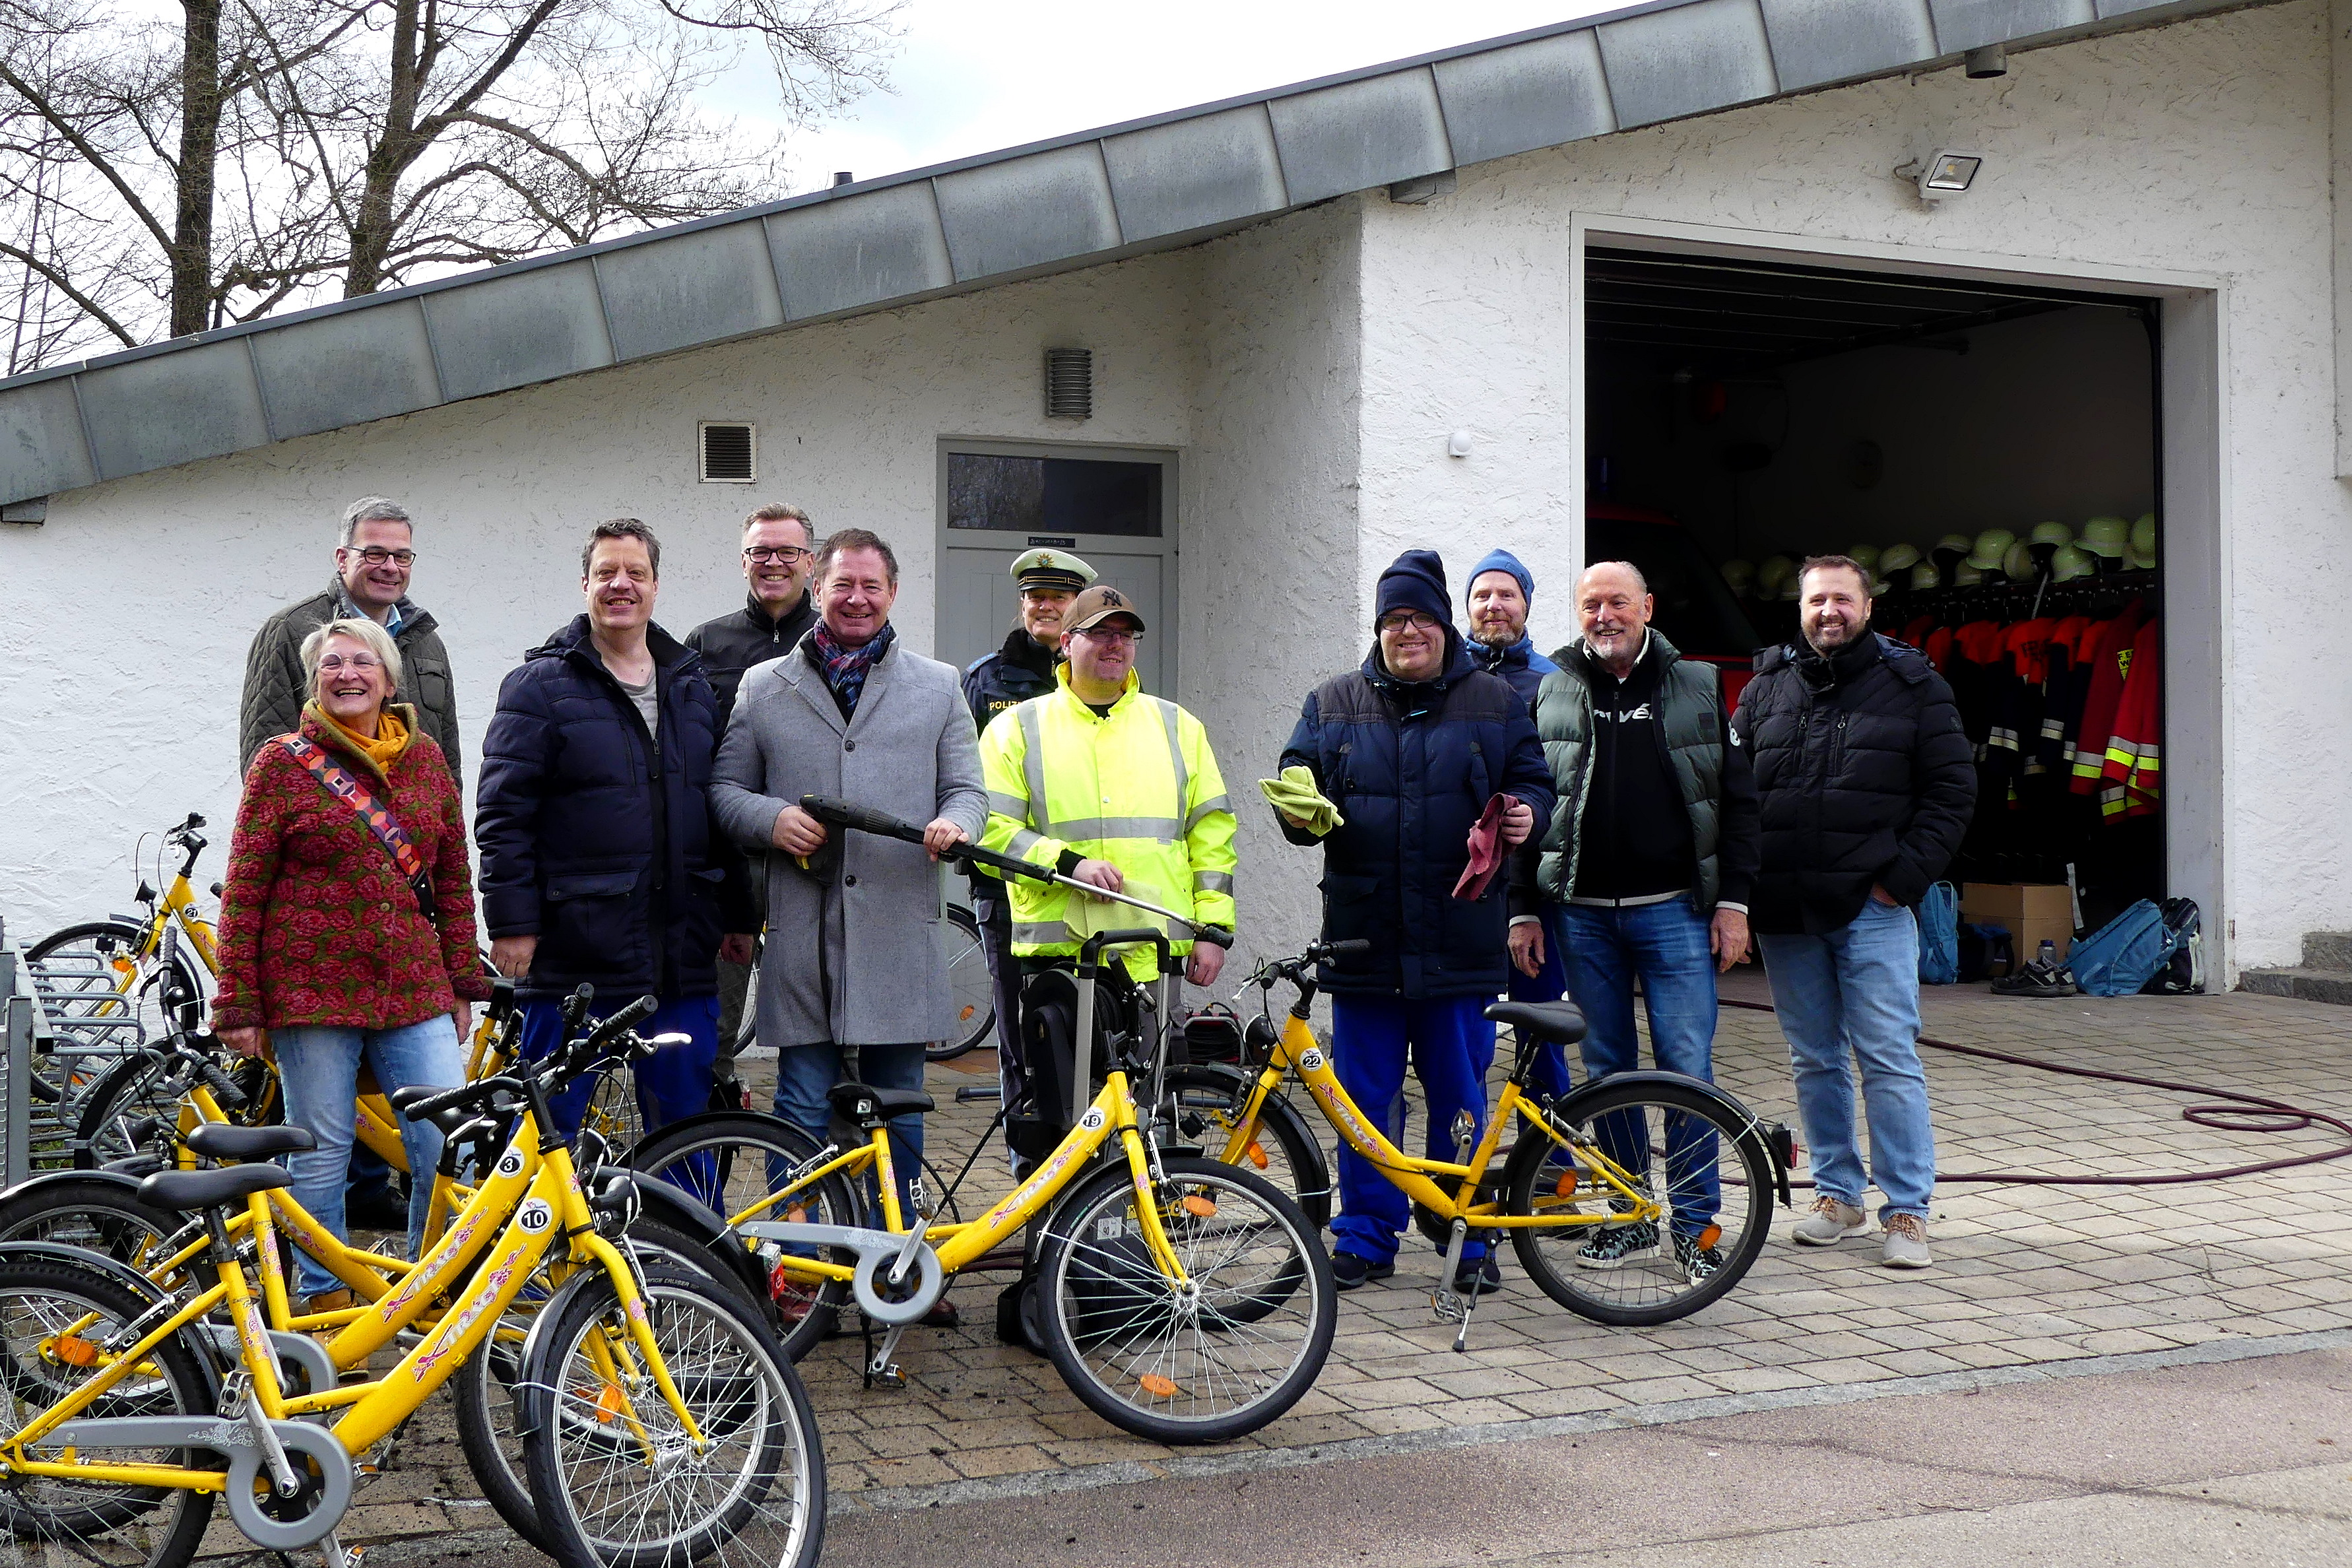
{"points": [[1702, 1163], [619, 1479], [104, 999], [974, 989], [1218, 1356]]}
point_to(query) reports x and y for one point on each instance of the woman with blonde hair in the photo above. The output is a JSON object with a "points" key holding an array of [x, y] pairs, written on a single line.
{"points": [[347, 920]]}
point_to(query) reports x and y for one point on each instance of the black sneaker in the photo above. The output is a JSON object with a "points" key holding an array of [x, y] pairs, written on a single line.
{"points": [[1348, 1270], [2037, 979], [1618, 1244], [1486, 1273], [1699, 1264]]}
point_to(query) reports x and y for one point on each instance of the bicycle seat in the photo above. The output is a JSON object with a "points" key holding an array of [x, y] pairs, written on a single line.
{"points": [[1558, 1021], [187, 1191], [219, 1141], [865, 1107]]}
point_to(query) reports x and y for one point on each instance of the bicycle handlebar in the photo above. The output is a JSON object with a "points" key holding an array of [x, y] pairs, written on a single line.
{"points": [[223, 1088]]}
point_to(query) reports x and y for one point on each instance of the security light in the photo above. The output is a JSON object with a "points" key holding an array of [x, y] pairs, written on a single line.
{"points": [[1944, 173]]}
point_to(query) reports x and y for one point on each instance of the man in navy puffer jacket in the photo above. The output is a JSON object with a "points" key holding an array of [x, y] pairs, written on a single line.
{"points": [[1411, 747], [600, 861]]}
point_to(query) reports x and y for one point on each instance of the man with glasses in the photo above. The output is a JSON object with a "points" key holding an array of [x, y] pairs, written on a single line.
{"points": [[1414, 748], [1046, 581], [1115, 788], [776, 614], [373, 555]]}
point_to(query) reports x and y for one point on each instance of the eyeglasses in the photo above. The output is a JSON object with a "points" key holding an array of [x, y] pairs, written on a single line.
{"points": [[1419, 620], [1112, 634], [784, 554], [376, 555], [338, 661]]}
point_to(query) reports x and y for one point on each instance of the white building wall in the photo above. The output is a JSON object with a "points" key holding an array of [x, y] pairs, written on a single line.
{"points": [[128, 613], [2201, 148]]}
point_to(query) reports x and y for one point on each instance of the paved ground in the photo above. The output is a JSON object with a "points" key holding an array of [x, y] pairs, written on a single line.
{"points": [[2027, 1276]]}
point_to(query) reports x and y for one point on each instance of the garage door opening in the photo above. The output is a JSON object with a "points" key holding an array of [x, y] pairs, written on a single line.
{"points": [[1989, 450]]}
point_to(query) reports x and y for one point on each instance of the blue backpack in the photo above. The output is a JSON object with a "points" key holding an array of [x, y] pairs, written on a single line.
{"points": [[1939, 936], [2124, 955]]}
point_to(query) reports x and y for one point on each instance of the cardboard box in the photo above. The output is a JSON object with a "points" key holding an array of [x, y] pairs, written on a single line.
{"points": [[2031, 912]]}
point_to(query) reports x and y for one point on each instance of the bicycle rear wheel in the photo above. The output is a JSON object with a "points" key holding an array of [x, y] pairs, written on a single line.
{"points": [[43, 1303], [618, 1480], [974, 988], [1218, 1356], [92, 1212], [1706, 1163]]}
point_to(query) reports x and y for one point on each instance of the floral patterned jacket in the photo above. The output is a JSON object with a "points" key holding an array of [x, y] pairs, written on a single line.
{"points": [[317, 924]]}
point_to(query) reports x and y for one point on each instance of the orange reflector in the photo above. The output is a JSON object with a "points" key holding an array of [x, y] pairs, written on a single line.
{"points": [[73, 1349], [1157, 1386], [965, 1015], [1200, 1208], [1566, 1186], [1258, 1154], [122, 966], [608, 1405], [797, 1213], [1709, 1237]]}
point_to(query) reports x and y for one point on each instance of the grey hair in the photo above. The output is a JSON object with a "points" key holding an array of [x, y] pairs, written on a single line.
{"points": [[372, 509], [360, 629], [1639, 580]]}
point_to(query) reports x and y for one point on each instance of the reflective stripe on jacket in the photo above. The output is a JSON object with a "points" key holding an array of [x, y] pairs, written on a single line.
{"points": [[1140, 789]]}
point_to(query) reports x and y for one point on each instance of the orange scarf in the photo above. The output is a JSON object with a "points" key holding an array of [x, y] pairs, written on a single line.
{"points": [[391, 739]]}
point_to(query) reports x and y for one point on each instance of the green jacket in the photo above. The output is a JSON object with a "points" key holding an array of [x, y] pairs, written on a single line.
{"points": [[1705, 766], [275, 689]]}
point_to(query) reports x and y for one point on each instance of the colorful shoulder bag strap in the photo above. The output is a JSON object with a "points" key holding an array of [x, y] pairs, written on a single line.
{"points": [[373, 814]]}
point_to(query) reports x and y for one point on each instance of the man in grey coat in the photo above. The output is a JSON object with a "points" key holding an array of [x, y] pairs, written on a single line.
{"points": [[855, 956]]}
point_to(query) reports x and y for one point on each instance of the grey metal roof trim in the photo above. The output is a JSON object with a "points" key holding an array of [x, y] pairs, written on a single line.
{"points": [[1079, 200]]}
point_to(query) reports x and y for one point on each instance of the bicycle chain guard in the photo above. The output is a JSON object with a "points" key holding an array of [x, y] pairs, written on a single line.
{"points": [[876, 1250], [226, 1434]]}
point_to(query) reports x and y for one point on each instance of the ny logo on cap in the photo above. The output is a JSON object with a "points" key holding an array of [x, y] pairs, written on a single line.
{"points": [[1110, 599]]}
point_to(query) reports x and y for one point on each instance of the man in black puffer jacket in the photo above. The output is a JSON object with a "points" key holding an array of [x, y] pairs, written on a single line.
{"points": [[1867, 783], [601, 863]]}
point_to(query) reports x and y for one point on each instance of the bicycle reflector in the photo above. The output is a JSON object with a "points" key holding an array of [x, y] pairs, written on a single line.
{"points": [[1157, 1386], [1200, 1207]]}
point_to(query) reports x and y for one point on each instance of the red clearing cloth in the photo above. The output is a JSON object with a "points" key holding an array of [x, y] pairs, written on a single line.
{"points": [[1485, 852]]}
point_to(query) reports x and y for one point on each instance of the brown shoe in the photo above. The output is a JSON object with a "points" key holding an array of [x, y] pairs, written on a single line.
{"points": [[329, 1302]]}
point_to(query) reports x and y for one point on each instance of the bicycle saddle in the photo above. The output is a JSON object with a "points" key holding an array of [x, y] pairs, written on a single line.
{"points": [[863, 1105], [219, 1141], [187, 1191], [1545, 1020]]}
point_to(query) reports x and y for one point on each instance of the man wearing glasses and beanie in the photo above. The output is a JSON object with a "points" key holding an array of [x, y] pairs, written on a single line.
{"points": [[776, 616], [1413, 747]]}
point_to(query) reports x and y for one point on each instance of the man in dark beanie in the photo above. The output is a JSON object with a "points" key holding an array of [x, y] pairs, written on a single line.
{"points": [[1411, 747]]}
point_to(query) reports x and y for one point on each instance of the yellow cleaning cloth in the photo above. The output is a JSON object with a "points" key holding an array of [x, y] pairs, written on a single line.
{"points": [[1295, 794]]}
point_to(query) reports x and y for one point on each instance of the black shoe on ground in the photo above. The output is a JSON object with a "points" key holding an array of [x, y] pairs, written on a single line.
{"points": [[1484, 1272], [2037, 979], [1348, 1270]]}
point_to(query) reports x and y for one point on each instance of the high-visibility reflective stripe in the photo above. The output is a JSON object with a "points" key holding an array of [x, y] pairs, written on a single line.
{"points": [[1033, 767], [1175, 750], [2001, 738], [2053, 728], [1164, 829], [1223, 803], [1011, 805], [1213, 881], [1021, 843], [1043, 932]]}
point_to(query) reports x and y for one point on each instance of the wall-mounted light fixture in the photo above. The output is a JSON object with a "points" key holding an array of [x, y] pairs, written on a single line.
{"points": [[1984, 64], [1458, 445], [1943, 174]]}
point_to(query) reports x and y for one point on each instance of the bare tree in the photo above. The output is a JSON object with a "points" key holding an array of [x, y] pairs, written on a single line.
{"points": [[271, 151]]}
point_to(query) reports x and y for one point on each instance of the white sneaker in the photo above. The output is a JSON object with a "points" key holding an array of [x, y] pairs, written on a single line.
{"points": [[1829, 1222], [1906, 1241]]}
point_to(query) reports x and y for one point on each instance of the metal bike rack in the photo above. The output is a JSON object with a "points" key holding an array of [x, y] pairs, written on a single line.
{"points": [[28, 1031]]}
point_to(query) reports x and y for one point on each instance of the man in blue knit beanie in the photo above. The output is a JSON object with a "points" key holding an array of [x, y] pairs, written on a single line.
{"points": [[1411, 746]]}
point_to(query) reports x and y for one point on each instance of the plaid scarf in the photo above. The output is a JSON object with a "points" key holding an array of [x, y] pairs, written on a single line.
{"points": [[844, 668]]}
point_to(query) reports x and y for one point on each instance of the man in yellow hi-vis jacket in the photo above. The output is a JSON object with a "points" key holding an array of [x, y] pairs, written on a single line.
{"points": [[1113, 788]]}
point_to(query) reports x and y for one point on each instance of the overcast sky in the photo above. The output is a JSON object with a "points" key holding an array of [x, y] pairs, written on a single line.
{"points": [[977, 74]]}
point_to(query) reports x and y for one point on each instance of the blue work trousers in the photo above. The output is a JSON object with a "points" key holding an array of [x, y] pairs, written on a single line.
{"points": [[1451, 1044], [1547, 984], [673, 1083]]}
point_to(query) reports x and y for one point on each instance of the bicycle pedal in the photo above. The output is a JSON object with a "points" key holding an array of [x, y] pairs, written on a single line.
{"points": [[889, 1378], [333, 1553], [1449, 1307]]}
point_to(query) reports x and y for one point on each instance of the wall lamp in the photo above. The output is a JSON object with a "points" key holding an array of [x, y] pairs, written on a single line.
{"points": [[1946, 172]]}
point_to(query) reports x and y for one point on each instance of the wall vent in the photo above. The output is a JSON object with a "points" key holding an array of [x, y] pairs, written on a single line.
{"points": [[1069, 384], [729, 453]]}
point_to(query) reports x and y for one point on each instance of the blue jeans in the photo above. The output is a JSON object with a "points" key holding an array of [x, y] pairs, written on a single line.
{"points": [[317, 1071], [673, 1083], [1666, 945], [1848, 996], [1549, 984], [1452, 1046], [804, 1073]]}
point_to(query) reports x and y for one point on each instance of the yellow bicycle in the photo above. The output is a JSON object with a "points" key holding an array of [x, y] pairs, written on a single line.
{"points": [[1634, 1200], [661, 1422]]}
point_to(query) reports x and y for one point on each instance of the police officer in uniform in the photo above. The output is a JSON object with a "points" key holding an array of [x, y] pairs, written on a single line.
{"points": [[1024, 667]]}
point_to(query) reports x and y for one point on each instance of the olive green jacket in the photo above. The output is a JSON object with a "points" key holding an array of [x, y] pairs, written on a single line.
{"points": [[275, 689]]}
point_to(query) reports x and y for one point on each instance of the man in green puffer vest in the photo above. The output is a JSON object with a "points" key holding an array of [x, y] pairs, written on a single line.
{"points": [[1644, 872]]}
